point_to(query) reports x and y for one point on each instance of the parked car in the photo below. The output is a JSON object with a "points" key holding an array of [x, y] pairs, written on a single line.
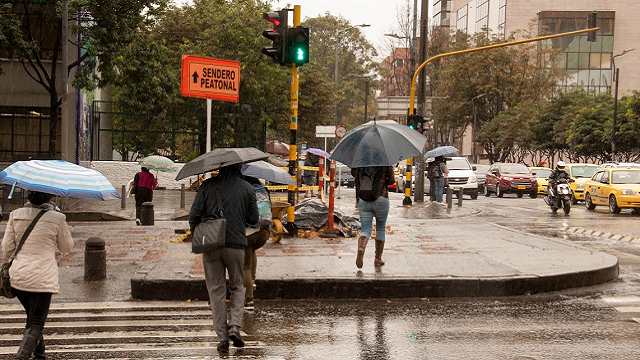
{"points": [[506, 178], [618, 188], [481, 174], [542, 177], [580, 173], [344, 177], [461, 176]]}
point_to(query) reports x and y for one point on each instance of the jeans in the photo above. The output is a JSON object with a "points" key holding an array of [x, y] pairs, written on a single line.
{"points": [[36, 305], [439, 184], [379, 208]]}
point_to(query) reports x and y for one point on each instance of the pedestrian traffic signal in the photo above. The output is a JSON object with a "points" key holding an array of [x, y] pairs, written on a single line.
{"points": [[278, 35], [297, 46], [415, 122], [591, 23]]}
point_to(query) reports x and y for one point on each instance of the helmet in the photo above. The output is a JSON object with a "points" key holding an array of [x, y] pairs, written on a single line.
{"points": [[560, 164]]}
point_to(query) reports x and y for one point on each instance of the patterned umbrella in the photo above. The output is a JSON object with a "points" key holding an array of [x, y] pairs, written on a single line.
{"points": [[158, 163], [446, 150], [60, 178]]}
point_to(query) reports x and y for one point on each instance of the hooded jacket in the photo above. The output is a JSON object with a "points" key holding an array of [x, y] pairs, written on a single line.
{"points": [[35, 268]]}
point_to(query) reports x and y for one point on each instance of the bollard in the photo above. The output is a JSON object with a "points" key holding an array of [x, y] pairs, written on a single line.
{"points": [[449, 198], [182, 197], [146, 214], [95, 260], [123, 198], [460, 194]]}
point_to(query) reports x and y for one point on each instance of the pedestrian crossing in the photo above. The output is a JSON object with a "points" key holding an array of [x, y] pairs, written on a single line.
{"points": [[123, 330], [627, 306]]}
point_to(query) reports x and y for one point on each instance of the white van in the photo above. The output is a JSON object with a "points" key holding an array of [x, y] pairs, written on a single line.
{"points": [[461, 175]]}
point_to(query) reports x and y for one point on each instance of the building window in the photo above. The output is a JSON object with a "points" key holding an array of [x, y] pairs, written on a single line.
{"points": [[441, 10], [502, 16], [461, 19], [587, 64], [482, 15]]}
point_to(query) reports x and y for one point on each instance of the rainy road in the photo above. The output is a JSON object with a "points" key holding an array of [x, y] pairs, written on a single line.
{"points": [[600, 322]]}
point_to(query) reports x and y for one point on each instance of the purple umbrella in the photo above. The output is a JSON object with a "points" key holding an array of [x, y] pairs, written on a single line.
{"points": [[317, 151]]}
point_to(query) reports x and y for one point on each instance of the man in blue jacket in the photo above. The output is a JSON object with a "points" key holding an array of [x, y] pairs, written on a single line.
{"points": [[240, 209]]}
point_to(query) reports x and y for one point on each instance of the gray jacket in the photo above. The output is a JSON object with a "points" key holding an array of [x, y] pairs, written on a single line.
{"points": [[238, 201]]}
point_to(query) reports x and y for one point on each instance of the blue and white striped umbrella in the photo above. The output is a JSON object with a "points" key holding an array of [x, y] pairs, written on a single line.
{"points": [[60, 178]]}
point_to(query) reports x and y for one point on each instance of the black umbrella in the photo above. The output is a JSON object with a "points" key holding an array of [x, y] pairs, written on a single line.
{"points": [[221, 157]]}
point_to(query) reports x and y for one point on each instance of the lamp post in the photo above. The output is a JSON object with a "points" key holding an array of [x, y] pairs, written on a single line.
{"points": [[338, 33], [616, 76], [475, 127], [366, 93]]}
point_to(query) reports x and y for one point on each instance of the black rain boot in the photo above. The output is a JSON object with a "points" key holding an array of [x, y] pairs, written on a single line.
{"points": [[38, 353], [28, 344]]}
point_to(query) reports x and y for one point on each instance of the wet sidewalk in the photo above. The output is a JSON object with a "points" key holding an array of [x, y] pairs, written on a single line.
{"points": [[431, 251]]}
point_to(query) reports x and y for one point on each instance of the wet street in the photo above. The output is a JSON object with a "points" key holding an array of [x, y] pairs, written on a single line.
{"points": [[598, 322]]}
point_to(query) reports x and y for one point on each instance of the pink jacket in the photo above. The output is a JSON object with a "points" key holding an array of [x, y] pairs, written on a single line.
{"points": [[146, 179]]}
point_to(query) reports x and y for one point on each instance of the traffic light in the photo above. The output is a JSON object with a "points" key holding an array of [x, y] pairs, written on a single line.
{"points": [[591, 23], [415, 122], [297, 46], [278, 35]]}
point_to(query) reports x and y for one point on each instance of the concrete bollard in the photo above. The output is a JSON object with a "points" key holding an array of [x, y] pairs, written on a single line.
{"points": [[460, 194], [146, 214], [95, 260], [449, 198], [182, 197], [123, 198]]}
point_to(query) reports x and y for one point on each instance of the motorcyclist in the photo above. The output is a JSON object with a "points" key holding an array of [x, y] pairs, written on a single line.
{"points": [[559, 174]]}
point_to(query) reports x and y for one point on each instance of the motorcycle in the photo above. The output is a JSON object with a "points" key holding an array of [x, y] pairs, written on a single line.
{"points": [[559, 195]]}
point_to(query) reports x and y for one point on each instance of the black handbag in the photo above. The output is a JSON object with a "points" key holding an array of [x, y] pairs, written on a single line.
{"points": [[211, 232], [5, 281]]}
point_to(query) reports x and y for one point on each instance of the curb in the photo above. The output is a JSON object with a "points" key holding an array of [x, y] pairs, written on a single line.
{"points": [[186, 289]]}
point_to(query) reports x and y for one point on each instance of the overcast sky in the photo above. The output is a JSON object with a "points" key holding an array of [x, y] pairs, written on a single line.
{"points": [[381, 15]]}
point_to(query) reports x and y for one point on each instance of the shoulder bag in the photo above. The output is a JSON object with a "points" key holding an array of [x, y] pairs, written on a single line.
{"points": [[210, 234], [5, 282]]}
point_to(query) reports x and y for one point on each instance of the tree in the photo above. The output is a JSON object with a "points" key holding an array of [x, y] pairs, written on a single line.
{"points": [[31, 32]]}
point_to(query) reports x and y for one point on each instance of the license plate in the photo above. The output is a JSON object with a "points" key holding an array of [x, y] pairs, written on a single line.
{"points": [[521, 187]]}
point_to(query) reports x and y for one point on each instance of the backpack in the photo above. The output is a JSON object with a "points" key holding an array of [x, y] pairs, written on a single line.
{"points": [[367, 180], [436, 170], [264, 206]]}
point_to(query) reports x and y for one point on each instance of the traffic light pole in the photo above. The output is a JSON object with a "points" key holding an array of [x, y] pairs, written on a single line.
{"points": [[293, 127]]}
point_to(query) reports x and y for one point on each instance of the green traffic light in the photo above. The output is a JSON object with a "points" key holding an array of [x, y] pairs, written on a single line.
{"points": [[301, 55]]}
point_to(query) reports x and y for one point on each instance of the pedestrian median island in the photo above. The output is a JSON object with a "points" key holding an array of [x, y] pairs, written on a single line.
{"points": [[446, 261]]}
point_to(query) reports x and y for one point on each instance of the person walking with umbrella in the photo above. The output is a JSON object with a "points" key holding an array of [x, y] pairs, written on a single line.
{"points": [[239, 203], [34, 271], [310, 177], [373, 202], [439, 172], [144, 183]]}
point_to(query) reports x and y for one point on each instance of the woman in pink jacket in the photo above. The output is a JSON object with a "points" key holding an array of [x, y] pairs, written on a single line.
{"points": [[34, 272], [145, 183]]}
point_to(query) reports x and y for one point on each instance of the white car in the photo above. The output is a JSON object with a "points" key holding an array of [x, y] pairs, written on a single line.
{"points": [[461, 176]]}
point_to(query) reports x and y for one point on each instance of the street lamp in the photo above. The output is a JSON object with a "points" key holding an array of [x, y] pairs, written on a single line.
{"points": [[366, 92], [616, 75], [338, 33], [475, 126]]}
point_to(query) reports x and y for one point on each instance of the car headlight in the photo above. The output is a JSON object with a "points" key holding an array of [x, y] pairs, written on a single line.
{"points": [[580, 186], [508, 178], [473, 178], [628, 192]]}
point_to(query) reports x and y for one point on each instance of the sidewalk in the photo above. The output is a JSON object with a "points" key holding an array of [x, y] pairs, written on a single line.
{"points": [[431, 251]]}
